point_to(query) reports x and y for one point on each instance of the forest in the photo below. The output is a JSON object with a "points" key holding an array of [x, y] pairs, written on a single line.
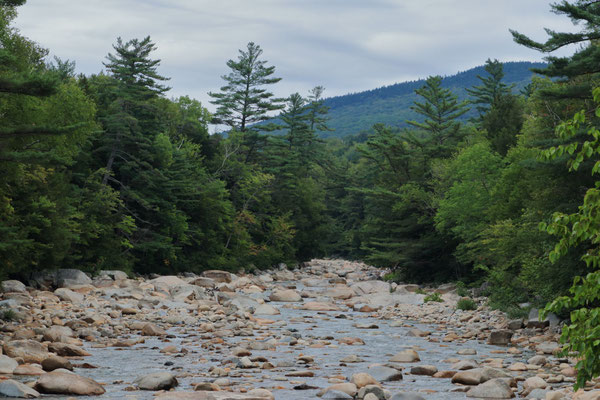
{"points": [[107, 172]]}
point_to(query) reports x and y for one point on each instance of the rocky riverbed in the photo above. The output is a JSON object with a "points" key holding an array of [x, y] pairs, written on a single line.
{"points": [[330, 329]]}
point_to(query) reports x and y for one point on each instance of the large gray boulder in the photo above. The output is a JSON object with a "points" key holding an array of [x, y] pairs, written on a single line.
{"points": [[30, 351], [13, 287], [63, 382], [12, 388], [156, 381], [7, 365], [71, 277], [492, 389], [385, 374]]}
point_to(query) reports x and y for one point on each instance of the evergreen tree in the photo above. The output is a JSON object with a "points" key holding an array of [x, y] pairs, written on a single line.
{"points": [[317, 111], [491, 88], [244, 100], [582, 68], [440, 110]]}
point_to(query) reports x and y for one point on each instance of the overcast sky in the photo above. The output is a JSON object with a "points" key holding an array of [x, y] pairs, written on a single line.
{"points": [[344, 45]]}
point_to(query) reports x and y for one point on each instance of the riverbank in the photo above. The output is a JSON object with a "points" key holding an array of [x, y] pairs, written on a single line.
{"points": [[331, 329]]}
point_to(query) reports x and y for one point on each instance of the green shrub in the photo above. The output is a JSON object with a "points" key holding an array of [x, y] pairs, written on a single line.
{"points": [[420, 291], [8, 315], [466, 304], [433, 297], [392, 276], [461, 289]]}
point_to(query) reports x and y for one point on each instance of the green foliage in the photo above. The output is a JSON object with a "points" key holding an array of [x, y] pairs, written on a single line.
{"points": [[8, 315], [461, 289], [466, 305], [392, 277], [582, 335], [435, 297], [491, 88], [583, 63], [244, 100]]}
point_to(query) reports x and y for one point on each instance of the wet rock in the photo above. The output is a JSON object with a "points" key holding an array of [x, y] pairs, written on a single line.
{"points": [[156, 381], [407, 356], [261, 394], [538, 360], [535, 382], [150, 329], [13, 286], [465, 365], [492, 389], [407, 396], [29, 370], [428, 370], [362, 379], [319, 306], [371, 391], [368, 287], [71, 277], [115, 275], [351, 341], [353, 358], [500, 338], [468, 377], [218, 276], [515, 324], [29, 350], [204, 282], [58, 334], [385, 374], [12, 388], [349, 388], [537, 394], [55, 362], [68, 295], [7, 365], [417, 333], [59, 382], [285, 295], [534, 321], [67, 350], [548, 347], [167, 282], [341, 292], [336, 395], [211, 396], [266, 309]]}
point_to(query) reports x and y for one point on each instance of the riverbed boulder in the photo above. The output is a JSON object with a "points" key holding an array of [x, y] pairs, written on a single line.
{"points": [[30, 351], [492, 389], [385, 374], [151, 329], [71, 277], [406, 356], [156, 381], [285, 295], [12, 286], [218, 276], [64, 382], [56, 362], [500, 337], [12, 388], [7, 365]]}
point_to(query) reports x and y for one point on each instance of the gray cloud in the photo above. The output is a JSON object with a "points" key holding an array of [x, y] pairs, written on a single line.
{"points": [[344, 45]]}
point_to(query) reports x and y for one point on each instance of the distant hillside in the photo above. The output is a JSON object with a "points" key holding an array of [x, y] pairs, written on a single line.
{"points": [[357, 112]]}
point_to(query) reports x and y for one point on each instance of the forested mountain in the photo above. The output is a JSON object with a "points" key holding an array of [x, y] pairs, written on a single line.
{"points": [[358, 112]]}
